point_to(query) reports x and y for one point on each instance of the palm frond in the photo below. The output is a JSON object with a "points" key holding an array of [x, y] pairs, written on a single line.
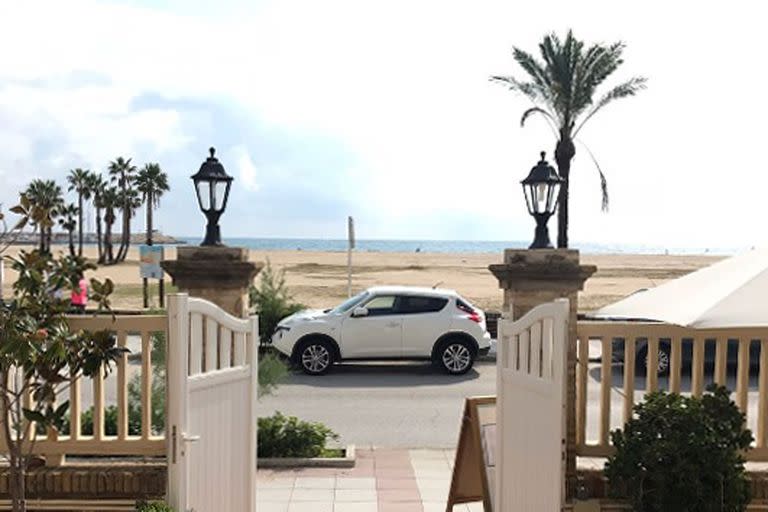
{"points": [[551, 121], [605, 199], [530, 65], [628, 88]]}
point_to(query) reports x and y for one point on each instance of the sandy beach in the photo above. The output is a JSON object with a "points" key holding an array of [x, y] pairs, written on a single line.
{"points": [[319, 279]]}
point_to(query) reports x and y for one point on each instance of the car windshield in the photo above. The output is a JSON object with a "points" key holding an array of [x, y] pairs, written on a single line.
{"points": [[349, 303]]}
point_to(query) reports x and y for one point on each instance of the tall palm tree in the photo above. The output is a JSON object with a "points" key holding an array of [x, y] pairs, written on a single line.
{"points": [[79, 181], [47, 197], [110, 201], [152, 183], [96, 186], [68, 220], [122, 173], [562, 88]]}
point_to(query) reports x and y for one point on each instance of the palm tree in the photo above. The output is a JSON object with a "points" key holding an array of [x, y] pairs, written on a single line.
{"points": [[67, 220], [47, 197], [121, 173], [109, 200], [96, 185], [79, 181], [562, 87], [152, 183]]}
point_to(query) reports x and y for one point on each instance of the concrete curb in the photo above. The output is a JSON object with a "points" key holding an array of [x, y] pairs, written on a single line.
{"points": [[348, 461]]}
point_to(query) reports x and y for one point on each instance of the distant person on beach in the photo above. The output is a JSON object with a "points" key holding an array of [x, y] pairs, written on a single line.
{"points": [[80, 296]]}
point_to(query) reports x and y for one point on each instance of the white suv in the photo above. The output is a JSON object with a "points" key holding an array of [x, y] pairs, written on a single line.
{"points": [[387, 323]]}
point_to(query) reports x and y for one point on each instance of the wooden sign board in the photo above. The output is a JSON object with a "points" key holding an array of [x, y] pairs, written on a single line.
{"points": [[474, 470]]}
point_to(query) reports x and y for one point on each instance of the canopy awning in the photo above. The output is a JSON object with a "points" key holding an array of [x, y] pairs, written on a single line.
{"points": [[730, 293]]}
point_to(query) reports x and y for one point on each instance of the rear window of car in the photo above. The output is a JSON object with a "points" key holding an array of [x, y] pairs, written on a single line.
{"points": [[464, 306], [411, 304]]}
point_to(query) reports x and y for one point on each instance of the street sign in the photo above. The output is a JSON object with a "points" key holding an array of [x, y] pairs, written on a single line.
{"points": [[150, 257]]}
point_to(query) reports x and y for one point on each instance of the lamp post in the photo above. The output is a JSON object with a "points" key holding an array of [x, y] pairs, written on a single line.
{"points": [[212, 186], [541, 188]]}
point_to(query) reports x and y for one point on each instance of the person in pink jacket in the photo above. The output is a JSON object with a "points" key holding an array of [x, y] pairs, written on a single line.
{"points": [[80, 296]]}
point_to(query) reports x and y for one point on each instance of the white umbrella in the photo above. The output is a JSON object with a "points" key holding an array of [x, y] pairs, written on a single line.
{"points": [[730, 293]]}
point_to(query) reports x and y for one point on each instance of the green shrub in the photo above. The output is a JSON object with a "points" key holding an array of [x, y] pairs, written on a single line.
{"points": [[682, 454], [287, 436], [153, 506], [272, 371], [271, 301]]}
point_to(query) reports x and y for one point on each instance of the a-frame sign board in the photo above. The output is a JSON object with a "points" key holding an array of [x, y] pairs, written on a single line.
{"points": [[475, 465]]}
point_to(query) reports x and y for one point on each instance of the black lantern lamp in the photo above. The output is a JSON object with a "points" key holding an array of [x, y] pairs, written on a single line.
{"points": [[212, 185], [542, 188]]}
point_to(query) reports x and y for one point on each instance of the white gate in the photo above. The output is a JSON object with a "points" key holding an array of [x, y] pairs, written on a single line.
{"points": [[211, 428], [530, 436]]}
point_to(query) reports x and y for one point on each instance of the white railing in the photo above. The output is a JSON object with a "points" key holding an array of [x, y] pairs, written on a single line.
{"points": [[680, 345], [55, 446]]}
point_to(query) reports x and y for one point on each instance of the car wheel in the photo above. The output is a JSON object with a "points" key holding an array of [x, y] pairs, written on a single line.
{"points": [[455, 356], [664, 359], [315, 357]]}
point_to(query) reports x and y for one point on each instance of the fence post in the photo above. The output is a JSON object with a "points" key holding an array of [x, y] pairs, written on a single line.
{"points": [[176, 374]]}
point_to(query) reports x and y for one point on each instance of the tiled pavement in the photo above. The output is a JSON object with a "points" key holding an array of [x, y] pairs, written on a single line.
{"points": [[383, 480]]}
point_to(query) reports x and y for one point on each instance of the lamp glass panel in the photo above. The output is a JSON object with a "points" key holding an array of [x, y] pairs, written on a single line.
{"points": [[554, 192], [529, 199], [541, 197], [203, 194], [219, 195]]}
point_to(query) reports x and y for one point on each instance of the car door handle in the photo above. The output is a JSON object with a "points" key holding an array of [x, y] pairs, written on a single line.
{"points": [[393, 324]]}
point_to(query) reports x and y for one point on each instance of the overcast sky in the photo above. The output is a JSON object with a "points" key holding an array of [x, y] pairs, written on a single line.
{"points": [[383, 110]]}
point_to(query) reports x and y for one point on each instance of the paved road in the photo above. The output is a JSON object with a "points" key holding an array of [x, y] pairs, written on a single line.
{"points": [[384, 404], [413, 405]]}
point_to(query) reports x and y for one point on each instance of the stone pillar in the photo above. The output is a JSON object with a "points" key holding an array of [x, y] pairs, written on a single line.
{"points": [[538, 276], [221, 275]]}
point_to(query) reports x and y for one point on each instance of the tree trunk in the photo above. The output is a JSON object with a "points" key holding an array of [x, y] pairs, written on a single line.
{"points": [[564, 153], [17, 462], [98, 235], [72, 242], [49, 240], [41, 245], [80, 225], [108, 257], [149, 218]]}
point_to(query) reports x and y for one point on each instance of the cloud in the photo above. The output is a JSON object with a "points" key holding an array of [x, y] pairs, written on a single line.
{"points": [[246, 168], [383, 111]]}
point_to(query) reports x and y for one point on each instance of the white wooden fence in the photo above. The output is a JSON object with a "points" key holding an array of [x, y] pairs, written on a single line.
{"points": [[688, 373], [85, 393]]}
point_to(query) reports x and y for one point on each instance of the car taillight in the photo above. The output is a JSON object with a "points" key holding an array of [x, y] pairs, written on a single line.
{"points": [[475, 317]]}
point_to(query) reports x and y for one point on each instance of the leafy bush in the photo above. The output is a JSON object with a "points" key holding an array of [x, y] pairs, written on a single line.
{"points": [[287, 436], [153, 506], [271, 301], [682, 454], [272, 370]]}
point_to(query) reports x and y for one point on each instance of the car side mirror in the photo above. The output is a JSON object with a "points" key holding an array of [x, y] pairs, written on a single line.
{"points": [[360, 312]]}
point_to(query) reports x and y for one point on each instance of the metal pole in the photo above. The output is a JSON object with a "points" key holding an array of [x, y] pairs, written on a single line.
{"points": [[350, 246], [349, 270]]}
